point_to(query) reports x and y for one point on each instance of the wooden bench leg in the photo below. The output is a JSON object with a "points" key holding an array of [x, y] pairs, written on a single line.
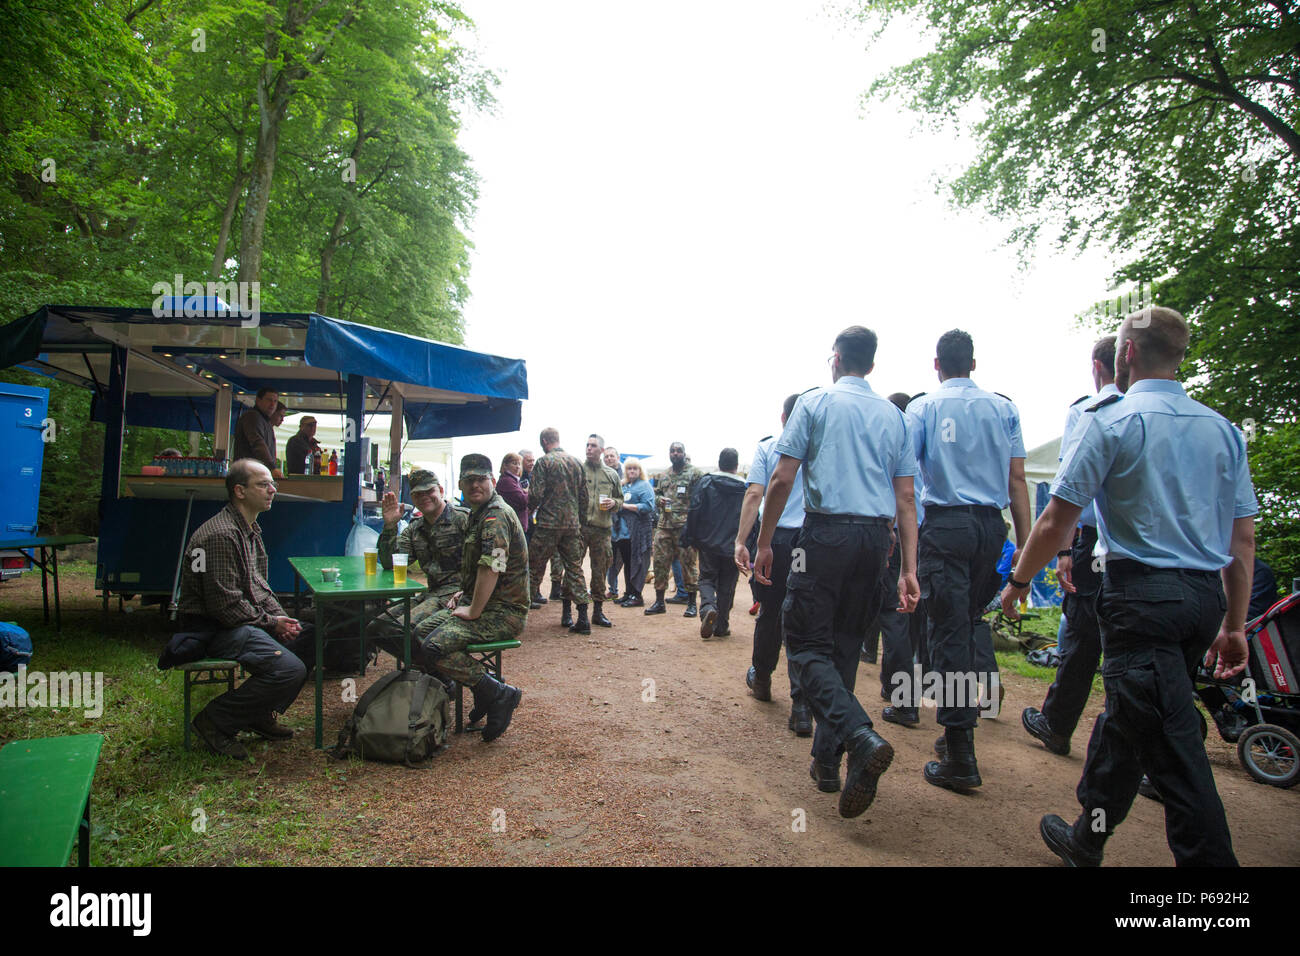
{"points": [[83, 837]]}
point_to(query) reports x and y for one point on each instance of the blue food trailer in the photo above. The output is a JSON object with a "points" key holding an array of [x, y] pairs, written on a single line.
{"points": [[198, 371], [23, 427]]}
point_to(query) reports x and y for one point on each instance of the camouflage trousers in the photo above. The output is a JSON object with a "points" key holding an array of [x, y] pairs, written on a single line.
{"points": [[601, 550], [567, 542], [666, 548], [444, 646], [386, 629]]}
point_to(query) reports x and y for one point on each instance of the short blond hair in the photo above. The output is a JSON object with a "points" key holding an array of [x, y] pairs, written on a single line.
{"points": [[634, 463], [1161, 337]]}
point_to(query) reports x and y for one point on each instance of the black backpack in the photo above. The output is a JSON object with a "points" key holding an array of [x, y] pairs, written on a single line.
{"points": [[402, 718]]}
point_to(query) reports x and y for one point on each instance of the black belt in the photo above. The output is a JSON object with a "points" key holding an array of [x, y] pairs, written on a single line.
{"points": [[816, 517], [1128, 567], [968, 509]]}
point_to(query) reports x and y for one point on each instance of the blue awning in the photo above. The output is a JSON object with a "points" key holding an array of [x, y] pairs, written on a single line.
{"points": [[446, 390]]}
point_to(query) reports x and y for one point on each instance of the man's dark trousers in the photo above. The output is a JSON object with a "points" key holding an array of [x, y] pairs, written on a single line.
{"points": [[897, 638], [957, 561], [1080, 643], [718, 576], [1156, 624], [276, 676], [767, 629], [825, 615]]}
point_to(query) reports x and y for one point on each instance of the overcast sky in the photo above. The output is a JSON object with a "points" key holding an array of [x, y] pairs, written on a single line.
{"points": [[682, 204]]}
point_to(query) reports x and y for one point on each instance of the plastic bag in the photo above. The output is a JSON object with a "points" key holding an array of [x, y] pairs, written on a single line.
{"points": [[360, 538]]}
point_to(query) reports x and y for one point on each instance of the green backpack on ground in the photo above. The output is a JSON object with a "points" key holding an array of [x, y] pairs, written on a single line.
{"points": [[402, 718]]}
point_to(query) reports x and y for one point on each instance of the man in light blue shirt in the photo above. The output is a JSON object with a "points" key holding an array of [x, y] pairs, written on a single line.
{"points": [[857, 477], [1175, 511], [1079, 644], [972, 460], [767, 629]]}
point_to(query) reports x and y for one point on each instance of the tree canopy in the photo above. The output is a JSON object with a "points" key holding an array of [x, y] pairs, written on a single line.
{"points": [[1168, 133], [310, 147]]}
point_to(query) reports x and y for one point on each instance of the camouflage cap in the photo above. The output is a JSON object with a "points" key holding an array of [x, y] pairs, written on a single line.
{"points": [[422, 480], [474, 464]]}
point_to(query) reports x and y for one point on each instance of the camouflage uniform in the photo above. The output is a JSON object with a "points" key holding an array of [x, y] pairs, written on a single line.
{"points": [[597, 525], [437, 547], [673, 501], [495, 540], [559, 493]]}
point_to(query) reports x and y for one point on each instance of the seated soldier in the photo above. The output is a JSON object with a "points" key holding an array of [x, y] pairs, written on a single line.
{"points": [[224, 593], [435, 541], [494, 604]]}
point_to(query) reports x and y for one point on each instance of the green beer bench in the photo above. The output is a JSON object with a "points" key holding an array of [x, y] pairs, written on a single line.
{"points": [[489, 655], [45, 799]]}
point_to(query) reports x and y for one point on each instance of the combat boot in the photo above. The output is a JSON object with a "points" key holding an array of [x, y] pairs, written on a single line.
{"points": [[869, 756], [760, 684], [826, 776], [538, 600], [598, 616], [800, 720], [555, 590], [958, 770], [566, 613], [658, 606], [583, 626], [1059, 837], [690, 606], [498, 701]]}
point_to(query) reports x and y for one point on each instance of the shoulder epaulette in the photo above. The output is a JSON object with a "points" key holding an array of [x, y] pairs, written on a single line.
{"points": [[1108, 400], [807, 390], [1078, 400], [1007, 397], [915, 397], [461, 508], [765, 438]]}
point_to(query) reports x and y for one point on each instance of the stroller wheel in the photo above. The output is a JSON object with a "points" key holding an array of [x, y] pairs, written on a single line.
{"points": [[1270, 754]]}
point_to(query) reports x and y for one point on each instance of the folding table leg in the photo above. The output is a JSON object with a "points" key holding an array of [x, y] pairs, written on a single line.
{"points": [[83, 837]]}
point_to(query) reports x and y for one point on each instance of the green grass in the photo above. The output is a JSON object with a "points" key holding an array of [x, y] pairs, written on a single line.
{"points": [[150, 796]]}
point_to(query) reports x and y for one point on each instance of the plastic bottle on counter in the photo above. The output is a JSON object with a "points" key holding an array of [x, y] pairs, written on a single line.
{"points": [[334, 462], [315, 463]]}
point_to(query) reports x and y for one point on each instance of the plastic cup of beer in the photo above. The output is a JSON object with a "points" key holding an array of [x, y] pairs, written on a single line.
{"points": [[372, 561], [399, 568], [606, 502]]}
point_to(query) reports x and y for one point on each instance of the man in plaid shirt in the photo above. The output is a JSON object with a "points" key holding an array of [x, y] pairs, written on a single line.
{"points": [[224, 591]]}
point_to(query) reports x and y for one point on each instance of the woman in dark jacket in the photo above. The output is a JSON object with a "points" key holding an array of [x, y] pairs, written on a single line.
{"points": [[508, 487], [638, 516]]}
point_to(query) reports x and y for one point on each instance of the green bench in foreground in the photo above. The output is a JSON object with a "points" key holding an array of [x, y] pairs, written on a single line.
{"points": [[45, 799], [489, 655]]}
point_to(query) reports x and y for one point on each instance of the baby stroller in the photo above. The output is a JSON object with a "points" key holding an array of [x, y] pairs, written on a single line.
{"points": [[1259, 709]]}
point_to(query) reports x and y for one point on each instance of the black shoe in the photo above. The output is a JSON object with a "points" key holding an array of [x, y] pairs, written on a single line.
{"points": [[1059, 837], [598, 616], [706, 622], [957, 770], [941, 747], [555, 591], [870, 652], [761, 685], [656, 608], [825, 776], [634, 601], [869, 756], [690, 608], [1148, 790], [1037, 725], [498, 701], [612, 594], [566, 613], [903, 716], [538, 599], [271, 729], [722, 632], [800, 720], [216, 739], [678, 599], [582, 626]]}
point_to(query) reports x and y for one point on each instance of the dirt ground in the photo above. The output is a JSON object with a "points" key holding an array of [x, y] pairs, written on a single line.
{"points": [[601, 767]]}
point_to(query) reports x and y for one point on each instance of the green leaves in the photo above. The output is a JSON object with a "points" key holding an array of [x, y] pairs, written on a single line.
{"points": [[1168, 133]]}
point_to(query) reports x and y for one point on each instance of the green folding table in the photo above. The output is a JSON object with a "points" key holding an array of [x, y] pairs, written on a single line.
{"points": [[45, 799], [355, 587], [50, 546]]}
